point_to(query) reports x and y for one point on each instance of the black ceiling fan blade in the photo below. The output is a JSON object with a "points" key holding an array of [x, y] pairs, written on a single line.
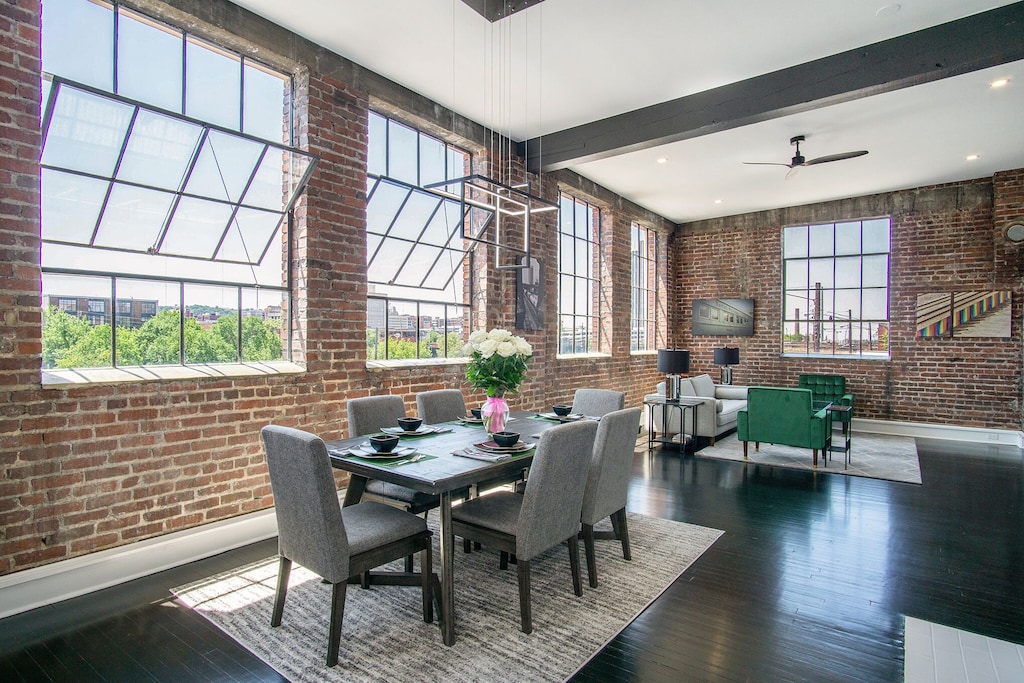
{"points": [[835, 157], [766, 163]]}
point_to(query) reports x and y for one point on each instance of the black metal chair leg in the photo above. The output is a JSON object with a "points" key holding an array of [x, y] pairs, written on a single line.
{"points": [[337, 617], [525, 615], [284, 569]]}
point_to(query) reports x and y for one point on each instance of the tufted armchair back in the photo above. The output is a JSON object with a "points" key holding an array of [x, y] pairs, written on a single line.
{"points": [[827, 389]]}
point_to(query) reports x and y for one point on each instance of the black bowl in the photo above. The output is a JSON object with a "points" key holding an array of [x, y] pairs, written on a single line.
{"points": [[505, 439], [409, 424], [383, 443], [476, 413], [561, 410]]}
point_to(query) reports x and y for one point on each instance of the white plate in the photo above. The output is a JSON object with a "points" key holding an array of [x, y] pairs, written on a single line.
{"points": [[366, 451]]}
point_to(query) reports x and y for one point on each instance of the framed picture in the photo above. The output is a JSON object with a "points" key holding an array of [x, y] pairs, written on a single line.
{"points": [[530, 295], [723, 317], [963, 314]]}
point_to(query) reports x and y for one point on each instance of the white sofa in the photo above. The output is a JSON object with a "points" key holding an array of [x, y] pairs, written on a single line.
{"points": [[720, 403]]}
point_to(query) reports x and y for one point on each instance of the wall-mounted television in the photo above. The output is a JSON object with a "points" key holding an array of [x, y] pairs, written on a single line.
{"points": [[723, 317]]}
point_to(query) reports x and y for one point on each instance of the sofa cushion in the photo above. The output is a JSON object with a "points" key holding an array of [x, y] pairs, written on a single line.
{"points": [[703, 385], [729, 408], [731, 391]]}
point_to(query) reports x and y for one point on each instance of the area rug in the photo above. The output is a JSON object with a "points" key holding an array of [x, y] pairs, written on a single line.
{"points": [[384, 637], [878, 456]]}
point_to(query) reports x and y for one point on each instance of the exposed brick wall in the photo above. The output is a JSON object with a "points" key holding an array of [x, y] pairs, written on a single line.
{"points": [[944, 238]]}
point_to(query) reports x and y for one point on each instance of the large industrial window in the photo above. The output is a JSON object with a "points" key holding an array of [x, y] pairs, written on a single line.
{"points": [[579, 276], [167, 183], [644, 287], [836, 289], [417, 262]]}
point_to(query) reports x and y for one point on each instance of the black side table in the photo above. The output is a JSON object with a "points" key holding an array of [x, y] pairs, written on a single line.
{"points": [[841, 412], [682, 404]]}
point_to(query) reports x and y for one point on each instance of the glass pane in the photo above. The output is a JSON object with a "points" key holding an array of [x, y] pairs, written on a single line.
{"points": [[70, 205], [148, 62], [86, 132], [421, 260], [821, 240], [133, 218], [582, 264], [876, 271], [798, 305], [796, 274], [138, 302], [876, 235], [794, 337], [825, 308], [581, 223], [848, 238], [848, 304], [224, 166], [414, 216], [876, 304], [212, 85], [447, 221], [848, 271], [566, 293], [448, 262], [266, 105], [432, 158], [249, 235], [159, 151], [73, 336], [795, 241], [566, 253], [458, 163], [207, 339], [384, 266], [376, 340], [402, 148], [196, 229], [297, 166], [383, 205], [267, 189], [402, 328], [820, 272], [78, 40], [377, 152], [582, 302], [263, 331]]}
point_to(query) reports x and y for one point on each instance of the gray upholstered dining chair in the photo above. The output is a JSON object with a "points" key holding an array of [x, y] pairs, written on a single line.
{"points": [[440, 405], [597, 402], [545, 515], [334, 542], [367, 415], [608, 483]]}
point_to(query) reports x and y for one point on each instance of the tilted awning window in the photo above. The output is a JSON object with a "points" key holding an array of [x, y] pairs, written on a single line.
{"points": [[415, 235], [122, 176]]}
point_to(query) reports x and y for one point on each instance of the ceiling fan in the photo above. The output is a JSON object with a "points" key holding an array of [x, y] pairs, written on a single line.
{"points": [[798, 161]]}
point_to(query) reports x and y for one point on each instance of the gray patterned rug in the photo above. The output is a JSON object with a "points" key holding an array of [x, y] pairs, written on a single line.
{"points": [[384, 637], [878, 456]]}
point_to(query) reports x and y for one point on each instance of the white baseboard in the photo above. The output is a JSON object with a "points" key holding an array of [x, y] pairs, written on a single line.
{"points": [[58, 581], [31, 588], [980, 435]]}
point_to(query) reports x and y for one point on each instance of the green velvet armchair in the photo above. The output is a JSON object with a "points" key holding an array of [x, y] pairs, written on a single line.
{"points": [[784, 416], [829, 389]]}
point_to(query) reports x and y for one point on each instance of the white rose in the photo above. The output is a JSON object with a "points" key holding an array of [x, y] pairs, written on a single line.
{"points": [[487, 348], [523, 347], [499, 335], [506, 349], [477, 337], [468, 349]]}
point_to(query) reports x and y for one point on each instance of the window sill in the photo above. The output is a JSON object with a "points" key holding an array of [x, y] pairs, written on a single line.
{"points": [[165, 373], [840, 356], [649, 352], [413, 363], [582, 356]]}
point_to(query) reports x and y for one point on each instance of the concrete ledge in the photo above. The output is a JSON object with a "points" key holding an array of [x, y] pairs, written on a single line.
{"points": [[995, 437]]}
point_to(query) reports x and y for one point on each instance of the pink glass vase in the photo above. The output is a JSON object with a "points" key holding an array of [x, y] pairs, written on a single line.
{"points": [[495, 414]]}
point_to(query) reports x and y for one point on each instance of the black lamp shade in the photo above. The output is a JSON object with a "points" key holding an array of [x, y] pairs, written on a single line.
{"points": [[727, 356], [673, 361]]}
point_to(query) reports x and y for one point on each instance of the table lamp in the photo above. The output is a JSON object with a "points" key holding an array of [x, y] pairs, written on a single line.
{"points": [[673, 362], [726, 357]]}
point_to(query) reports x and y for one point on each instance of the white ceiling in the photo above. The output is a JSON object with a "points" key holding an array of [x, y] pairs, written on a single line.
{"points": [[567, 62]]}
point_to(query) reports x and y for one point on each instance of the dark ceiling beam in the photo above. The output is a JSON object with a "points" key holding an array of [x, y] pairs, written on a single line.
{"points": [[493, 10], [958, 47]]}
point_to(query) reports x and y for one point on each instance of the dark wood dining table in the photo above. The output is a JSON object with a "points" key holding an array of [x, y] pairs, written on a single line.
{"points": [[443, 475]]}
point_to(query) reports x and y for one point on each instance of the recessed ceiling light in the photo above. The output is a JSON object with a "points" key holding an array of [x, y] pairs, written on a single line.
{"points": [[662, 160], [888, 10], [999, 83], [972, 157], [718, 201]]}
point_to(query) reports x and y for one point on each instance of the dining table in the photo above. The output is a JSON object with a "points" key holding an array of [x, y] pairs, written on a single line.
{"points": [[434, 468]]}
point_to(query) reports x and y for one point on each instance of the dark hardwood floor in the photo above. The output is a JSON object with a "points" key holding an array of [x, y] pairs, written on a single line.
{"points": [[810, 582]]}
